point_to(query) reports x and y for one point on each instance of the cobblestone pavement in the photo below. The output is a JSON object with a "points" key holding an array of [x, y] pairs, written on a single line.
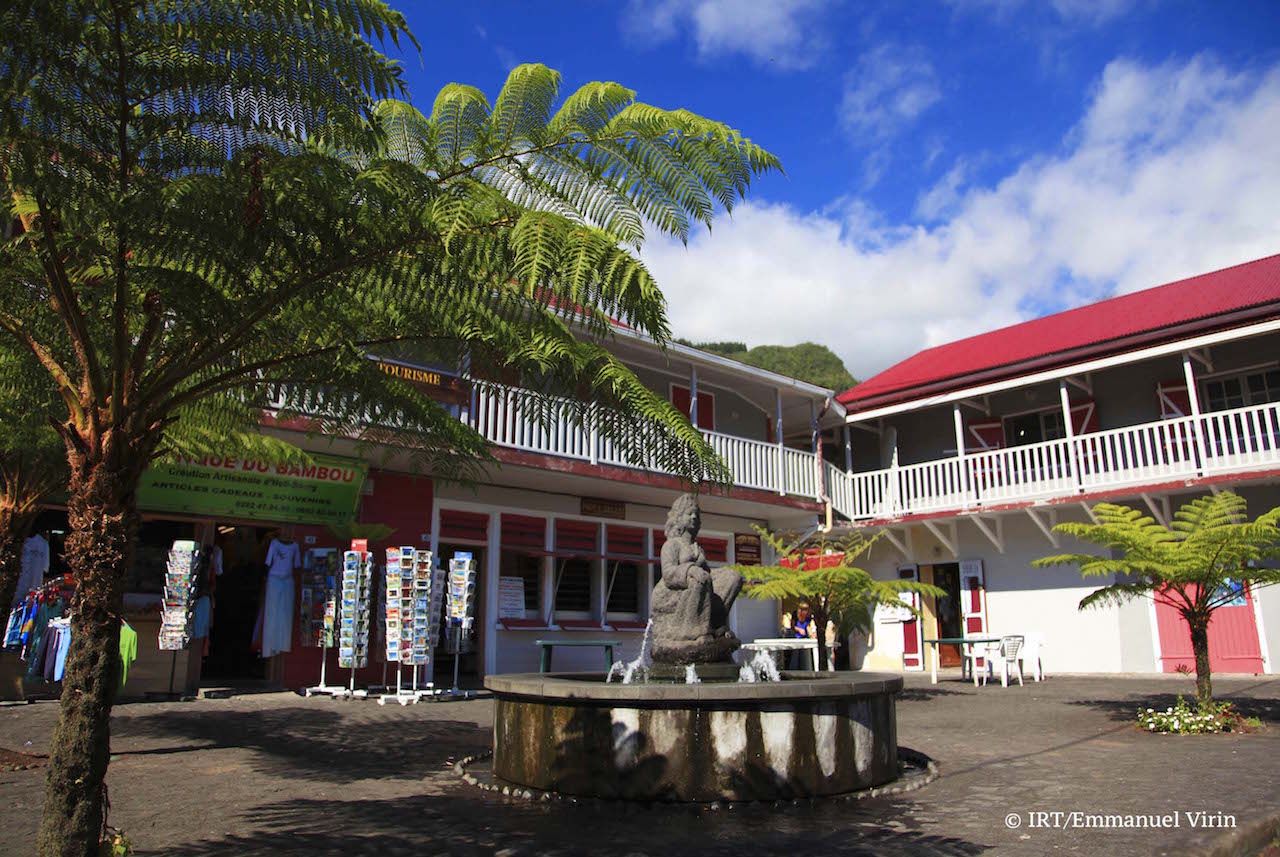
{"points": [[279, 774]]}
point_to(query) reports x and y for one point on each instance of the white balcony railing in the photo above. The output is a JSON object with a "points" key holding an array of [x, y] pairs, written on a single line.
{"points": [[1148, 454], [503, 416], [500, 416]]}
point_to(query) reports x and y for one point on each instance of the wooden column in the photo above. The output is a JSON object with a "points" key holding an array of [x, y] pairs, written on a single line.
{"points": [[1070, 431], [693, 395], [782, 459], [1193, 399]]}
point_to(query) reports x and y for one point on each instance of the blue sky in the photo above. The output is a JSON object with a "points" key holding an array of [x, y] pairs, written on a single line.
{"points": [[951, 166]]}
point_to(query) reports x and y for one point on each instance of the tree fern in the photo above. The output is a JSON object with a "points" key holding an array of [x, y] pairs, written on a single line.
{"points": [[1194, 564], [220, 202]]}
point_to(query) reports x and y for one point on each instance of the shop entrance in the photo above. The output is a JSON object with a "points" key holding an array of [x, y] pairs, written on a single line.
{"points": [[946, 576], [237, 598], [470, 664]]}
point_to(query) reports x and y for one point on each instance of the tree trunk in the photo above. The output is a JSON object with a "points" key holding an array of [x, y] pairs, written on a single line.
{"points": [[1200, 646], [103, 520]]}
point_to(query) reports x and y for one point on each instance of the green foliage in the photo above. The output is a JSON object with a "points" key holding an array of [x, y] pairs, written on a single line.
{"points": [[248, 208], [822, 572], [1209, 545], [1197, 563], [807, 361]]}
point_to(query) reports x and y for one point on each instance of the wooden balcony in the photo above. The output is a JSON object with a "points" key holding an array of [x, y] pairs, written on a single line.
{"points": [[1222, 442]]}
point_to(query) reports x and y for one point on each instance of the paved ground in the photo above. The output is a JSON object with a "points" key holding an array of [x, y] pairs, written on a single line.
{"points": [[279, 774]]}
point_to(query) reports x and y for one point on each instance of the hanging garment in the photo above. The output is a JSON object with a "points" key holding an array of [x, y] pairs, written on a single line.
{"points": [[202, 617], [60, 652], [128, 651], [283, 558], [35, 565], [277, 616]]}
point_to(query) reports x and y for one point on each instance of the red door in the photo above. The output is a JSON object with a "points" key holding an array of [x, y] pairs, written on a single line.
{"points": [[1233, 637]]}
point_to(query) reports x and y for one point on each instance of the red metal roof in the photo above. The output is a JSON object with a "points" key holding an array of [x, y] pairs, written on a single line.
{"points": [[1211, 301]]}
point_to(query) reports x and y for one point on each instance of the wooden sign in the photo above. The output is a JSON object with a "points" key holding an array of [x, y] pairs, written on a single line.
{"points": [[746, 549], [432, 383], [594, 507]]}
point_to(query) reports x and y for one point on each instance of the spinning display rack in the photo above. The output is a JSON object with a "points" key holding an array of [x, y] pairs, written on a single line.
{"points": [[181, 580], [414, 588], [462, 590]]}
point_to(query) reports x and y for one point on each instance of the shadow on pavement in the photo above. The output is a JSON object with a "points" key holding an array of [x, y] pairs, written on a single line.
{"points": [[467, 823], [314, 743], [1126, 709]]}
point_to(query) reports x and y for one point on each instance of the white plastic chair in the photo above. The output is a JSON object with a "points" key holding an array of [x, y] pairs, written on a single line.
{"points": [[1005, 654], [1030, 654]]}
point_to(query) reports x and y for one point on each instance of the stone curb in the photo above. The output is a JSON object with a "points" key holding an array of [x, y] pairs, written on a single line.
{"points": [[1247, 841], [927, 773]]}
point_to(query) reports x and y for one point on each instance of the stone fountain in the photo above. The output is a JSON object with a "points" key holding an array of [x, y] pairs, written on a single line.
{"points": [[692, 731]]}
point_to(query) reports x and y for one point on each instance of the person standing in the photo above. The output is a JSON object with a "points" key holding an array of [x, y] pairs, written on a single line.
{"points": [[801, 626]]}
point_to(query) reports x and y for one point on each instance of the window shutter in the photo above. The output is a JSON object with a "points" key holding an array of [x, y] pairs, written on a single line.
{"points": [[465, 526], [1084, 417], [680, 398], [523, 531], [624, 541], [1173, 399], [577, 537], [986, 435]]}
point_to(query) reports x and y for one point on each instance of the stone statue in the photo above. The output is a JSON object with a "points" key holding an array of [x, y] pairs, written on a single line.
{"points": [[690, 605]]}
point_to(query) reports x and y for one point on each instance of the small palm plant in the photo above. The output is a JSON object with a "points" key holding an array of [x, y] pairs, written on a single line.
{"points": [[1197, 564], [822, 572]]}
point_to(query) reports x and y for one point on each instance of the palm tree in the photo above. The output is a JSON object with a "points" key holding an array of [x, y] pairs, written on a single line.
{"points": [[219, 202], [1197, 563]]}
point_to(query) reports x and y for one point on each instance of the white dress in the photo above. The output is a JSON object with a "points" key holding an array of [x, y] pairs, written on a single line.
{"points": [[278, 614]]}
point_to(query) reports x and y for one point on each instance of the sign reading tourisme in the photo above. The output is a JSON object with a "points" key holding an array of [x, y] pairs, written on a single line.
{"points": [[323, 491]]}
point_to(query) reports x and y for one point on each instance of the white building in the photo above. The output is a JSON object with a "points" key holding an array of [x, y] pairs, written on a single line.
{"points": [[966, 455]]}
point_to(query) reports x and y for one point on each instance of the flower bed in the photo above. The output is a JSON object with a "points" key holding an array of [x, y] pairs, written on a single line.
{"points": [[1183, 719]]}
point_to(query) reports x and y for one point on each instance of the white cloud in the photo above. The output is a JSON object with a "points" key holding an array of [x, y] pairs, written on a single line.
{"points": [[787, 33], [888, 90], [1171, 171], [1088, 12]]}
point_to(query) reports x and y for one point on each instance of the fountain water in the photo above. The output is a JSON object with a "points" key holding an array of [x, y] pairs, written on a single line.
{"points": [[638, 667], [760, 668]]}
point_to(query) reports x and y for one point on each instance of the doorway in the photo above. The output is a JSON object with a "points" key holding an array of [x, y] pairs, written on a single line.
{"points": [[238, 594], [946, 576], [447, 650]]}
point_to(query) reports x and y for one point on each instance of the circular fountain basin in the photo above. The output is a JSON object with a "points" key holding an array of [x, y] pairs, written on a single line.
{"points": [[810, 735]]}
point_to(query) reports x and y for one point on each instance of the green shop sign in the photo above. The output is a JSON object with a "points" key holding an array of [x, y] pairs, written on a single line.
{"points": [[325, 491]]}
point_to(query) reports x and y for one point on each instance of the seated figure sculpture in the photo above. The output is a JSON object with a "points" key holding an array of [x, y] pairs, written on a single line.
{"points": [[690, 605]]}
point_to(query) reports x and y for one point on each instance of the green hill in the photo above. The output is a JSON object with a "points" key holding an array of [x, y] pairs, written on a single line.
{"points": [[807, 361]]}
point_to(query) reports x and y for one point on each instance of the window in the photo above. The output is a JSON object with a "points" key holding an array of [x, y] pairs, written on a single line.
{"points": [[624, 597], [529, 569], [1034, 428], [573, 586], [1257, 388]]}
